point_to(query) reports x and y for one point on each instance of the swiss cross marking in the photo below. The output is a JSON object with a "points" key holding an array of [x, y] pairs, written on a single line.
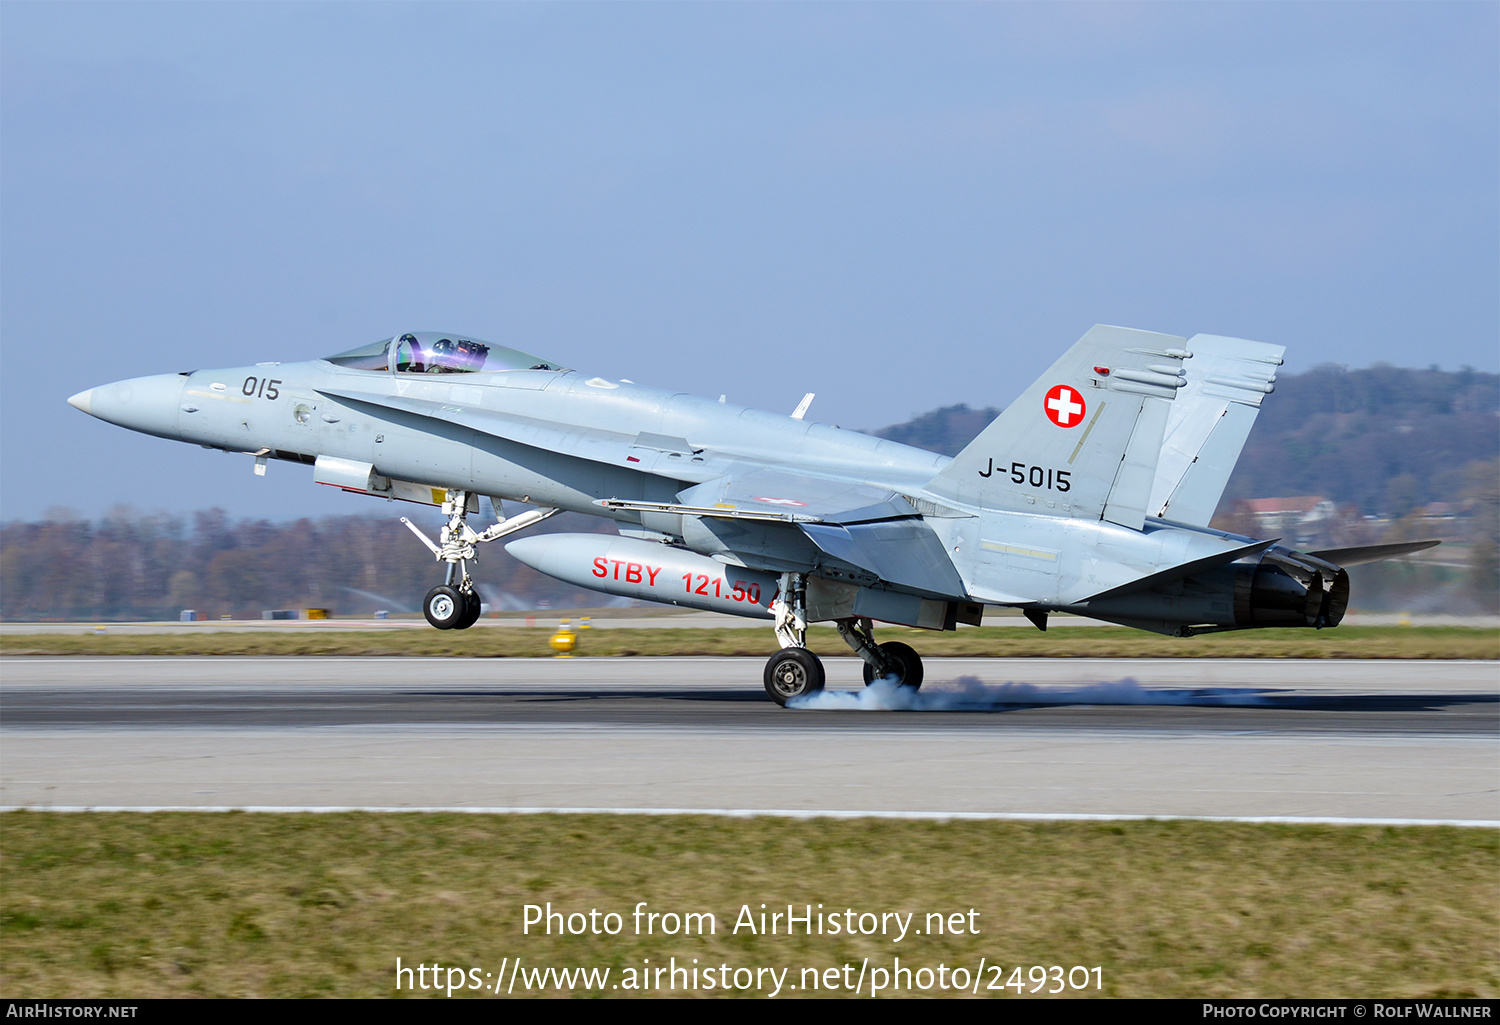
{"points": [[1064, 406]]}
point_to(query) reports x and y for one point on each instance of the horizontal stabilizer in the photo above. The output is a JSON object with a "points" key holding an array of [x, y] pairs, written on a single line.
{"points": [[1372, 553], [1186, 569]]}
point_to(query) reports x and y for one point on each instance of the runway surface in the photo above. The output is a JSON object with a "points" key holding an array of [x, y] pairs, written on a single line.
{"points": [[1388, 740], [617, 619]]}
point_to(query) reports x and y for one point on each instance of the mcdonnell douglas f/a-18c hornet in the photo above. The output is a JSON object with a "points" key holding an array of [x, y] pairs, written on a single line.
{"points": [[1090, 494]]}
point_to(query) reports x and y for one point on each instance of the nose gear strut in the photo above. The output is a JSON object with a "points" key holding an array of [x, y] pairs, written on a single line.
{"points": [[454, 604]]}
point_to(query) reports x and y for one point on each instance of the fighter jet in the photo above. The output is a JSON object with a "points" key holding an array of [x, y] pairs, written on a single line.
{"points": [[1091, 494]]}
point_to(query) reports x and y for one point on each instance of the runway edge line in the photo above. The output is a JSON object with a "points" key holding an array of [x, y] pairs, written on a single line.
{"points": [[742, 813]]}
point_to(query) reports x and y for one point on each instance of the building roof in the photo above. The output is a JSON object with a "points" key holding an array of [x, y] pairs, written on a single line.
{"points": [[1297, 504]]}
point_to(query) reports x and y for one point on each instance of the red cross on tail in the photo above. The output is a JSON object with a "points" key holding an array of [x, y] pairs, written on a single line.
{"points": [[1064, 406]]}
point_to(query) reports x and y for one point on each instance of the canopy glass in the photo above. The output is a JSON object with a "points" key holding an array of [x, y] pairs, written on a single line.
{"points": [[438, 352]]}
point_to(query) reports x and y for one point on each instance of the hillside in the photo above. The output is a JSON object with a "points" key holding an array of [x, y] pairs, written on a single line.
{"points": [[1384, 439]]}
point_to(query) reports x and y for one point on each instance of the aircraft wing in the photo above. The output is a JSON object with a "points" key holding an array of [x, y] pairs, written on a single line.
{"points": [[752, 491], [859, 531], [753, 486], [858, 525], [904, 552], [870, 531]]}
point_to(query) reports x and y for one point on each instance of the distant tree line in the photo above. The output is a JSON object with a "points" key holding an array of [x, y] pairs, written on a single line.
{"points": [[133, 566]]}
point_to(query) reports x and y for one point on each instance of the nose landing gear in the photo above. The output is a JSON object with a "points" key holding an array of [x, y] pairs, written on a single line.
{"points": [[455, 604]]}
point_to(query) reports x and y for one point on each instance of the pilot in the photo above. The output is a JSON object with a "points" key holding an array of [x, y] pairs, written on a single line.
{"points": [[443, 358]]}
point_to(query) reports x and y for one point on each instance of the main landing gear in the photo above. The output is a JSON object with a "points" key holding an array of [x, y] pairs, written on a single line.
{"points": [[454, 604], [795, 672]]}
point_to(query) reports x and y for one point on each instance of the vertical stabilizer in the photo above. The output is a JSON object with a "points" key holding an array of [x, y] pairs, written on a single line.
{"points": [[1084, 439], [1208, 423]]}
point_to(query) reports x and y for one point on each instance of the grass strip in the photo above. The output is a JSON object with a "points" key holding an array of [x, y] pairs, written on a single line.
{"points": [[1420, 642], [178, 904]]}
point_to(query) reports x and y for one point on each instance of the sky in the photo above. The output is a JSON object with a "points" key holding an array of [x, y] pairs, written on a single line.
{"points": [[896, 206]]}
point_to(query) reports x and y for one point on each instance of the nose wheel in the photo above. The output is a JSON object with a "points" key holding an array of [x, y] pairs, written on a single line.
{"points": [[472, 608], [451, 608]]}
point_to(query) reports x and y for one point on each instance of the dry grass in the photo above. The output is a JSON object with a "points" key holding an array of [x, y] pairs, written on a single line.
{"points": [[301, 905], [993, 642]]}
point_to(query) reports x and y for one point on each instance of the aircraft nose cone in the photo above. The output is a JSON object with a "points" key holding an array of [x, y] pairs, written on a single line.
{"points": [[145, 404]]}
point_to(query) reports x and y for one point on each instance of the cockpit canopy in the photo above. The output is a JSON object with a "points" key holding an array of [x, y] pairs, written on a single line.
{"points": [[438, 352]]}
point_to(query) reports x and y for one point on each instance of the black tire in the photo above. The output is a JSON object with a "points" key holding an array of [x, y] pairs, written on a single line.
{"points": [[793, 673], [909, 673], [472, 608], [444, 607]]}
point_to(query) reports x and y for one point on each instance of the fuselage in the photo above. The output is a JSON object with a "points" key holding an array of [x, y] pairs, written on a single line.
{"points": [[286, 409], [559, 438]]}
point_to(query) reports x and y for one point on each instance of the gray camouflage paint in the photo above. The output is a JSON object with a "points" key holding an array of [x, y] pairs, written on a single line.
{"points": [[1045, 510]]}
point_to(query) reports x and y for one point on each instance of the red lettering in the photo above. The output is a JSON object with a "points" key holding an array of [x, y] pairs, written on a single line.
{"points": [[617, 564], [633, 573], [653, 570], [599, 570]]}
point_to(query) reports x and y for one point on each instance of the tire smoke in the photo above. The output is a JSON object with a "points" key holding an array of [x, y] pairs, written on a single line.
{"points": [[970, 694]]}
